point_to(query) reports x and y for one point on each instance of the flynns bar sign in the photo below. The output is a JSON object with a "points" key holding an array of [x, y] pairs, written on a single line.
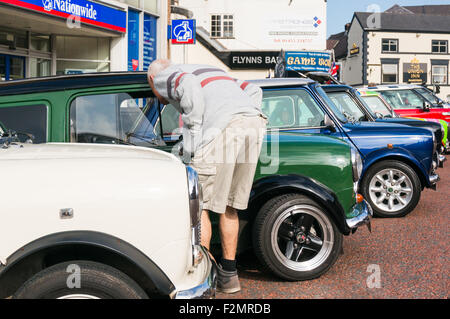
{"points": [[88, 12]]}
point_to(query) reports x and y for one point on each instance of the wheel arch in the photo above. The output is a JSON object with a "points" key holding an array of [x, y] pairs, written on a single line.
{"points": [[415, 166], [83, 245], [269, 187]]}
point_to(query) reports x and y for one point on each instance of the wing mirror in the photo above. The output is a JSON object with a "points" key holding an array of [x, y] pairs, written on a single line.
{"points": [[379, 115], [426, 107], [329, 124]]}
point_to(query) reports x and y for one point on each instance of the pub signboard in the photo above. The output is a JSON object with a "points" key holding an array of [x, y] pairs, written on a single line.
{"points": [[415, 72]]}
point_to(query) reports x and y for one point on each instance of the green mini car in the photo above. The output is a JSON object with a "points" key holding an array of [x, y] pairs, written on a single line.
{"points": [[304, 195]]}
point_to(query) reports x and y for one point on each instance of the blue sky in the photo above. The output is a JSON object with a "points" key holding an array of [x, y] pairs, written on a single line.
{"points": [[341, 11]]}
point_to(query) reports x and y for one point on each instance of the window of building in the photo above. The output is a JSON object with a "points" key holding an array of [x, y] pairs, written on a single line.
{"points": [[40, 67], [439, 46], [389, 73], [389, 45], [82, 54], [222, 26], [40, 42], [14, 38], [30, 119], [439, 74]]}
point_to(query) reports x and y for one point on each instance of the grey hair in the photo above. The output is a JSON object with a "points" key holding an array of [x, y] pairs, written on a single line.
{"points": [[158, 66]]}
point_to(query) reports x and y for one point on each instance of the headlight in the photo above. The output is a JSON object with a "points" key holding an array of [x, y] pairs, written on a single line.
{"points": [[357, 164], [195, 210]]}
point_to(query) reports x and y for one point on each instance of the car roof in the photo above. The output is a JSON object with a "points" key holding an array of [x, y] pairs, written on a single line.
{"points": [[67, 82], [281, 82], [336, 87], [386, 87]]}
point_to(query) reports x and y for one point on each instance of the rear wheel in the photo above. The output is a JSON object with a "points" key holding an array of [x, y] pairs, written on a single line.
{"points": [[295, 239], [392, 188], [80, 280]]}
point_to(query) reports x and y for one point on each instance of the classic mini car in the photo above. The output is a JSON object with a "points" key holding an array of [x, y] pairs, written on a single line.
{"points": [[413, 100], [304, 196], [350, 102], [100, 221], [381, 109], [397, 158]]}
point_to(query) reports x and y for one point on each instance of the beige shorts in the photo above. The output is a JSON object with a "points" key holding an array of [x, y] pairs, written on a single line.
{"points": [[226, 166]]}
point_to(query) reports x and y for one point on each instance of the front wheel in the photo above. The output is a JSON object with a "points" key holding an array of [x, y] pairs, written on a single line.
{"points": [[294, 238], [80, 280], [392, 188]]}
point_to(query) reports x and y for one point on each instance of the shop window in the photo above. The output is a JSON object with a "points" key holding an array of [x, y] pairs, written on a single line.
{"points": [[13, 38], [439, 46], [82, 48], [439, 74], [222, 26], [389, 45], [40, 67], [82, 55], [389, 73], [40, 42], [30, 119]]}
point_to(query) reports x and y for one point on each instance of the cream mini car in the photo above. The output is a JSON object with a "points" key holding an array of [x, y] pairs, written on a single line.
{"points": [[100, 221]]}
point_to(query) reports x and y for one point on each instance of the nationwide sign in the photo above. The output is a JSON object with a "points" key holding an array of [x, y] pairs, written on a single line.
{"points": [[88, 12], [308, 61]]}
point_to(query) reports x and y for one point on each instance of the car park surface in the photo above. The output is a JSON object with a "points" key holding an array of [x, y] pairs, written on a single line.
{"points": [[412, 254]]}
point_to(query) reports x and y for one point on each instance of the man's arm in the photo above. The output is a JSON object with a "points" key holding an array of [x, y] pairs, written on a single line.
{"points": [[188, 92], [252, 90]]}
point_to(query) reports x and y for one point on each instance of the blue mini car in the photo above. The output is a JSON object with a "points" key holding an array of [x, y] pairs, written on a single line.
{"points": [[397, 159]]}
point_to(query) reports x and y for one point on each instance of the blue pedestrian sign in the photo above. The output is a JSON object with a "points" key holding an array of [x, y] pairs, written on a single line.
{"points": [[183, 31]]}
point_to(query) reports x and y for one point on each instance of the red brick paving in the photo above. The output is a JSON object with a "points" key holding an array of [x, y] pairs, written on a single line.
{"points": [[413, 254]]}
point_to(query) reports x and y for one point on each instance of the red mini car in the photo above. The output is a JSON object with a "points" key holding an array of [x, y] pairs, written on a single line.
{"points": [[414, 101]]}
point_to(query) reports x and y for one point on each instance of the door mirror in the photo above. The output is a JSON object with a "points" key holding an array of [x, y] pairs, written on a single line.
{"points": [[379, 115], [426, 107], [329, 124]]}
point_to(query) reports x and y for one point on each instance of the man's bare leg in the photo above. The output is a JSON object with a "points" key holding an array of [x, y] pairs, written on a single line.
{"points": [[229, 231], [206, 229], [228, 280]]}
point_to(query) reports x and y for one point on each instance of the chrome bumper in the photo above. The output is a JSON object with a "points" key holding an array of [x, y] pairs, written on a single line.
{"points": [[442, 159], [433, 179], [362, 212], [207, 289]]}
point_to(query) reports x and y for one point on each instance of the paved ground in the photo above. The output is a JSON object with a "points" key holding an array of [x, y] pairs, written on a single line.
{"points": [[413, 255]]}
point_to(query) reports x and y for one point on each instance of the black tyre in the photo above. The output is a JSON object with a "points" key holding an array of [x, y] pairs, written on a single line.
{"points": [[96, 281], [392, 188], [295, 239]]}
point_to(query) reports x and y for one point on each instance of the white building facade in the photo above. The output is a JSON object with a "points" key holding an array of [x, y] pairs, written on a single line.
{"points": [[402, 49], [245, 36], [51, 37]]}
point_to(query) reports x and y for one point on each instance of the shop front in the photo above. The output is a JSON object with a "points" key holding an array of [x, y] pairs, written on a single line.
{"points": [[54, 37]]}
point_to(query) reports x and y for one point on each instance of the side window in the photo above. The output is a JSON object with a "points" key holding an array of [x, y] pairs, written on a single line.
{"points": [[112, 118], [171, 121], [30, 119], [280, 110], [309, 112], [291, 108]]}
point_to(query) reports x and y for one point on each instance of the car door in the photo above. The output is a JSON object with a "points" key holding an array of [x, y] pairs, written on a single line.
{"points": [[294, 110]]}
